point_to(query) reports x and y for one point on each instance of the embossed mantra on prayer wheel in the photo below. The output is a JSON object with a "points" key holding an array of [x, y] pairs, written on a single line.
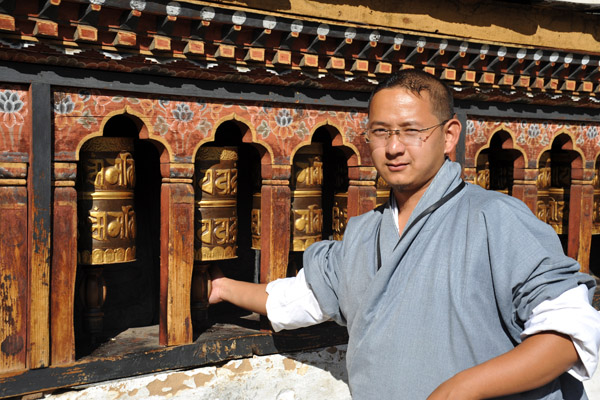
{"points": [[307, 210], [107, 223], [106, 218], [216, 203], [339, 215], [216, 220], [339, 211], [255, 220]]}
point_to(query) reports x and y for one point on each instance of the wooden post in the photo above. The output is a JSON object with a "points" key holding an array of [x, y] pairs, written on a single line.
{"points": [[39, 226], [176, 260], [361, 190], [581, 205], [525, 188], [275, 222], [13, 267], [64, 264]]}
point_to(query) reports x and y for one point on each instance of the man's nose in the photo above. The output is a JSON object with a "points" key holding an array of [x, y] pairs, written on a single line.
{"points": [[393, 145]]}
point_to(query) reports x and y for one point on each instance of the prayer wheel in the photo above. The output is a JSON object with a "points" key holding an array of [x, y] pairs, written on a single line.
{"points": [[255, 220], [307, 211], [216, 220], [106, 217], [339, 215], [553, 200], [107, 226]]}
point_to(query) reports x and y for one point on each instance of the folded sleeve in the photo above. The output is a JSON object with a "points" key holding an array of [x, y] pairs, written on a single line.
{"points": [[570, 314], [291, 304]]}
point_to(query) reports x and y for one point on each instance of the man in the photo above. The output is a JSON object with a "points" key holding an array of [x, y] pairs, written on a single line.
{"points": [[448, 291]]}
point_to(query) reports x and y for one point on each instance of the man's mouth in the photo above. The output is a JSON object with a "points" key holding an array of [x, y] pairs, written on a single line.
{"points": [[397, 166]]}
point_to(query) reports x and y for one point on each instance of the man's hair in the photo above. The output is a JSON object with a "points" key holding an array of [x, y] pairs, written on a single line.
{"points": [[417, 81]]}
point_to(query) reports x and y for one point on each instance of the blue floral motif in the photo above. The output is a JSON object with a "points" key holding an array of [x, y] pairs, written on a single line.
{"points": [[284, 118], [64, 106], [302, 131], [183, 113], [592, 132], [533, 131], [470, 129], [204, 127], [10, 102], [263, 129]]}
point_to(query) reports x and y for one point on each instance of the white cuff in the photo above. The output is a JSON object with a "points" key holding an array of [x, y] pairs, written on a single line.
{"points": [[570, 314], [291, 304]]}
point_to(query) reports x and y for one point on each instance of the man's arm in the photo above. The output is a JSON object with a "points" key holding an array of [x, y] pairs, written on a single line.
{"points": [[251, 296], [539, 359]]}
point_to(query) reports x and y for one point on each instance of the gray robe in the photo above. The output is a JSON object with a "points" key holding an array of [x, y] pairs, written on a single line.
{"points": [[452, 292]]}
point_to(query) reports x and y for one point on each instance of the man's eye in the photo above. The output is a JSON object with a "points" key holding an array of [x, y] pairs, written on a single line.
{"points": [[379, 132], [411, 132]]}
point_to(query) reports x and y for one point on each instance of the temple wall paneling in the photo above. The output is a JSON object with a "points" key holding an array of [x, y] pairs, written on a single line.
{"points": [[16, 132], [543, 151], [114, 207]]}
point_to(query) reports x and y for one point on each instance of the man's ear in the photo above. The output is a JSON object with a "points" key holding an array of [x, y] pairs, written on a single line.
{"points": [[452, 131]]}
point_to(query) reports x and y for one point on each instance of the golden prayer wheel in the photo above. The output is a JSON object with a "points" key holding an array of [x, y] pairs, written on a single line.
{"points": [[339, 215], [216, 204], [383, 191], [107, 223], [307, 210], [255, 220], [216, 219], [106, 218]]}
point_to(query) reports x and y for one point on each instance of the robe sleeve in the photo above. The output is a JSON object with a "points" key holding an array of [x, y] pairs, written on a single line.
{"points": [[528, 265], [321, 262]]}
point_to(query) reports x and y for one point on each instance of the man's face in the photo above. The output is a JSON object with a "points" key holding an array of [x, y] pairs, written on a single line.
{"points": [[407, 169]]}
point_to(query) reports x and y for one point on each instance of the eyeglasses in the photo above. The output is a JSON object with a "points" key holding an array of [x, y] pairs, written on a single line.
{"points": [[378, 137]]}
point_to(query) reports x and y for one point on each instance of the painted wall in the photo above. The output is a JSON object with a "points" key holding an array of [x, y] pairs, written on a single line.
{"points": [[488, 21]]}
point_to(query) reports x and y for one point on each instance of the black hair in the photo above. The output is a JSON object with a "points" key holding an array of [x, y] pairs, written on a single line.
{"points": [[417, 81]]}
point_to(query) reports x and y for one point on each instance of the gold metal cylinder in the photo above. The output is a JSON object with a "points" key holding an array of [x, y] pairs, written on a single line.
{"points": [[339, 215], [307, 209], [255, 224], [216, 204], [107, 221]]}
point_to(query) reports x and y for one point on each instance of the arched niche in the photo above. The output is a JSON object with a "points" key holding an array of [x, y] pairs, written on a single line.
{"points": [[320, 181], [118, 293], [227, 177], [558, 166], [499, 164]]}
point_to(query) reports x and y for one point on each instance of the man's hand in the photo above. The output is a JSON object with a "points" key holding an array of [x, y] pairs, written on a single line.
{"points": [[215, 285], [251, 296]]}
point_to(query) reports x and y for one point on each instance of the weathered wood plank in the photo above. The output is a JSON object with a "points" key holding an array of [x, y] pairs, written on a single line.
{"points": [[39, 226], [13, 278], [527, 194], [64, 268], [581, 202], [177, 260], [275, 232], [220, 343]]}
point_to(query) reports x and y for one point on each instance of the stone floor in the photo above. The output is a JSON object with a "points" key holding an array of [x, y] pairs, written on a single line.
{"points": [[317, 375]]}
